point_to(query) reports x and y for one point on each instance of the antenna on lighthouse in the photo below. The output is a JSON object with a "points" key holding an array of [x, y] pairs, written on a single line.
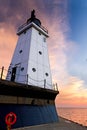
{"points": [[34, 19], [33, 14]]}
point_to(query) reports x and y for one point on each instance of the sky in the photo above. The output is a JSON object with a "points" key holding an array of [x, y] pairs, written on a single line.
{"points": [[66, 21]]}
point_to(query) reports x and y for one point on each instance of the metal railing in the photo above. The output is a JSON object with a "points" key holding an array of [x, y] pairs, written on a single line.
{"points": [[28, 79], [25, 24]]}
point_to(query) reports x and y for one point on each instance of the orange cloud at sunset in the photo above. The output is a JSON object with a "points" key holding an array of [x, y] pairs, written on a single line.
{"points": [[73, 94]]}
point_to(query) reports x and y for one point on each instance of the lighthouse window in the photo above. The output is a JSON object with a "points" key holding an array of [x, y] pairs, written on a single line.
{"points": [[20, 51], [22, 68], [39, 33], [24, 32], [9, 72], [40, 52], [44, 39], [46, 74], [33, 69]]}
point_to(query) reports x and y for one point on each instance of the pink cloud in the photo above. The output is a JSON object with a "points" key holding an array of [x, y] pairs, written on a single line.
{"points": [[7, 44]]}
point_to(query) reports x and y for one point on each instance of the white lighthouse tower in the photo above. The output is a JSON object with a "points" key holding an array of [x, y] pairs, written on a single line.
{"points": [[30, 62]]}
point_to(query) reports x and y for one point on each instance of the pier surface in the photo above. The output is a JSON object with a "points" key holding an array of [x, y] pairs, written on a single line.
{"points": [[63, 124]]}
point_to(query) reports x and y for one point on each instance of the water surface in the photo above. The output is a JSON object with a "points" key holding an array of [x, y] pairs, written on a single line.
{"points": [[78, 115]]}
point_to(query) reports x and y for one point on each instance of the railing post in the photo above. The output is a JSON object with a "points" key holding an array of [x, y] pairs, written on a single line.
{"points": [[27, 79], [56, 87], [2, 71], [44, 83]]}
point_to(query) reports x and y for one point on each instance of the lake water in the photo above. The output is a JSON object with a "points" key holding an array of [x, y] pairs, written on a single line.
{"points": [[78, 115]]}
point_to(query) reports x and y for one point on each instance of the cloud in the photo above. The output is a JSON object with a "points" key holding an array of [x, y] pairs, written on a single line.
{"points": [[57, 43], [7, 44], [73, 94], [54, 15], [72, 90]]}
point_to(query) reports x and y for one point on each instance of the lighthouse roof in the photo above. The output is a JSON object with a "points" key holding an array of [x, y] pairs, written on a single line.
{"points": [[34, 19]]}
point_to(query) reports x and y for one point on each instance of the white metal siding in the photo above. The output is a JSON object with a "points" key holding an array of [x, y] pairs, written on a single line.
{"points": [[34, 55]]}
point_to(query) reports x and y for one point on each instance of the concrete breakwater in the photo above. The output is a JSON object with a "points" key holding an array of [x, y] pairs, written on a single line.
{"points": [[63, 124]]}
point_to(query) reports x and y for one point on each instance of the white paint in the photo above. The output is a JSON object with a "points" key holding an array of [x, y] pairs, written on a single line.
{"points": [[31, 52]]}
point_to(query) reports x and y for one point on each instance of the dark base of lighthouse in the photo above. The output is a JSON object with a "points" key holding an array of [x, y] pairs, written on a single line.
{"points": [[32, 105], [28, 115]]}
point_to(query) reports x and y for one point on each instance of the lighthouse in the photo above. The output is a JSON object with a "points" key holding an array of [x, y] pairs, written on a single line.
{"points": [[30, 62], [27, 90]]}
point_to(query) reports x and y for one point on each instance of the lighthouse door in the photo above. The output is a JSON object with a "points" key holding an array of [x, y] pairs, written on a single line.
{"points": [[13, 76]]}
